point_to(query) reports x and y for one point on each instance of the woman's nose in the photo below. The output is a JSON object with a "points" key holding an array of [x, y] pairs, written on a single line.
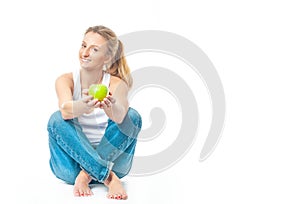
{"points": [[85, 52]]}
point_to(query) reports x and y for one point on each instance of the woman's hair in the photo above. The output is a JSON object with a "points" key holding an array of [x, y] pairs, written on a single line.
{"points": [[118, 65]]}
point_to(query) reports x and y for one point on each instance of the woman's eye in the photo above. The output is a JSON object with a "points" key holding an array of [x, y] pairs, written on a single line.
{"points": [[83, 46], [95, 49]]}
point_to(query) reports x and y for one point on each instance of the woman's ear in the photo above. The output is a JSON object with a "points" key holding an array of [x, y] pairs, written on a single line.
{"points": [[107, 59]]}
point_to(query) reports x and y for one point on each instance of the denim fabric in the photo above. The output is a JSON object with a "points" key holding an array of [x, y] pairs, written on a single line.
{"points": [[70, 150]]}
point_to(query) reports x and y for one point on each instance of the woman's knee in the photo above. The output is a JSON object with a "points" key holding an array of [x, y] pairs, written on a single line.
{"points": [[54, 119], [132, 123], [65, 174], [135, 117]]}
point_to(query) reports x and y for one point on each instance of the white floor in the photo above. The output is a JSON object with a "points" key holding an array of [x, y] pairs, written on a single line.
{"points": [[230, 175]]}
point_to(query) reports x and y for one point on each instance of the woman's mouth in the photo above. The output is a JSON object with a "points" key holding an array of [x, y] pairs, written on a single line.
{"points": [[85, 60]]}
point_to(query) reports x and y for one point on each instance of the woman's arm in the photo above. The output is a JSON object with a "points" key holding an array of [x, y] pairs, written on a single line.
{"points": [[116, 105], [69, 108]]}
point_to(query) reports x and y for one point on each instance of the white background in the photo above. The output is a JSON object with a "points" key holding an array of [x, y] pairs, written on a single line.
{"points": [[254, 46]]}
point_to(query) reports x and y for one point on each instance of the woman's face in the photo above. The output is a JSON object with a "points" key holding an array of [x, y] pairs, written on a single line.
{"points": [[92, 51]]}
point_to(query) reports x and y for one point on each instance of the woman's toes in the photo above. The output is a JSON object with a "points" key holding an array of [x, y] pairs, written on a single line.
{"points": [[76, 193], [90, 192], [124, 196], [81, 193]]}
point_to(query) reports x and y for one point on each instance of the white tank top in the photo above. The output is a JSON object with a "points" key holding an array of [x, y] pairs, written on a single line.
{"points": [[93, 124]]}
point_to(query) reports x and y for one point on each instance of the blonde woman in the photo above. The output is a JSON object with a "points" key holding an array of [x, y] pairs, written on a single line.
{"points": [[90, 140]]}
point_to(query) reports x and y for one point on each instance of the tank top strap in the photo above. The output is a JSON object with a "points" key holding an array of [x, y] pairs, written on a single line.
{"points": [[106, 79], [77, 85]]}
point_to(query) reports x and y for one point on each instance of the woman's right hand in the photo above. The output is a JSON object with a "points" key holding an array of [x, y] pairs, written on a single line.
{"points": [[72, 109], [89, 102]]}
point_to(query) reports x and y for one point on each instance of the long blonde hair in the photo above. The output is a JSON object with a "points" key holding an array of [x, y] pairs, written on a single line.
{"points": [[118, 65]]}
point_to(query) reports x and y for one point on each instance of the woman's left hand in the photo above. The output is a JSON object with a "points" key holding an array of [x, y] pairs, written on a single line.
{"points": [[107, 102]]}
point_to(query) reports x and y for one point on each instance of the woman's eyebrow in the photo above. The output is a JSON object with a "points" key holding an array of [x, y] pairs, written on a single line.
{"points": [[93, 45]]}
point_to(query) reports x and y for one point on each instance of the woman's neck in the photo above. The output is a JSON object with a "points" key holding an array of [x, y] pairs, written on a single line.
{"points": [[87, 78]]}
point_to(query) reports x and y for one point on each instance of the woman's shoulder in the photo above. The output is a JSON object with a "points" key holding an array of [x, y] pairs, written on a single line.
{"points": [[114, 80], [65, 78], [117, 82]]}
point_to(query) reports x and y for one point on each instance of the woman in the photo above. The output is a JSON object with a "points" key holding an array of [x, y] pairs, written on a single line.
{"points": [[93, 140]]}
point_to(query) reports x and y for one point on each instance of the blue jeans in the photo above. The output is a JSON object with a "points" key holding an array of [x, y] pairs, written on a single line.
{"points": [[70, 150]]}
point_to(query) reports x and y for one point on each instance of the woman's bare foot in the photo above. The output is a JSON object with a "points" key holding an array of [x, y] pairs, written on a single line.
{"points": [[115, 187], [81, 186]]}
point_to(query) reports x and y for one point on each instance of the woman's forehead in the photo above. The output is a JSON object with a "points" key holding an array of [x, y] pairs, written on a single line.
{"points": [[92, 38]]}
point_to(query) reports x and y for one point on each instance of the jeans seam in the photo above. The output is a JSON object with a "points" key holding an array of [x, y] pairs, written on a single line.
{"points": [[90, 169], [73, 153], [118, 149]]}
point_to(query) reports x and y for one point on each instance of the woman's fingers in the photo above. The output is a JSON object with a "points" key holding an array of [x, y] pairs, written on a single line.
{"points": [[92, 103], [86, 99], [111, 99], [85, 92]]}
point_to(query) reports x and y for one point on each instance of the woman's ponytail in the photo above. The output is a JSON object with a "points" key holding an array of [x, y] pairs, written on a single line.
{"points": [[119, 66]]}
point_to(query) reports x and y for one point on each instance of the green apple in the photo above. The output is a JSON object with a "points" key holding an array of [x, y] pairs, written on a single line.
{"points": [[98, 91]]}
